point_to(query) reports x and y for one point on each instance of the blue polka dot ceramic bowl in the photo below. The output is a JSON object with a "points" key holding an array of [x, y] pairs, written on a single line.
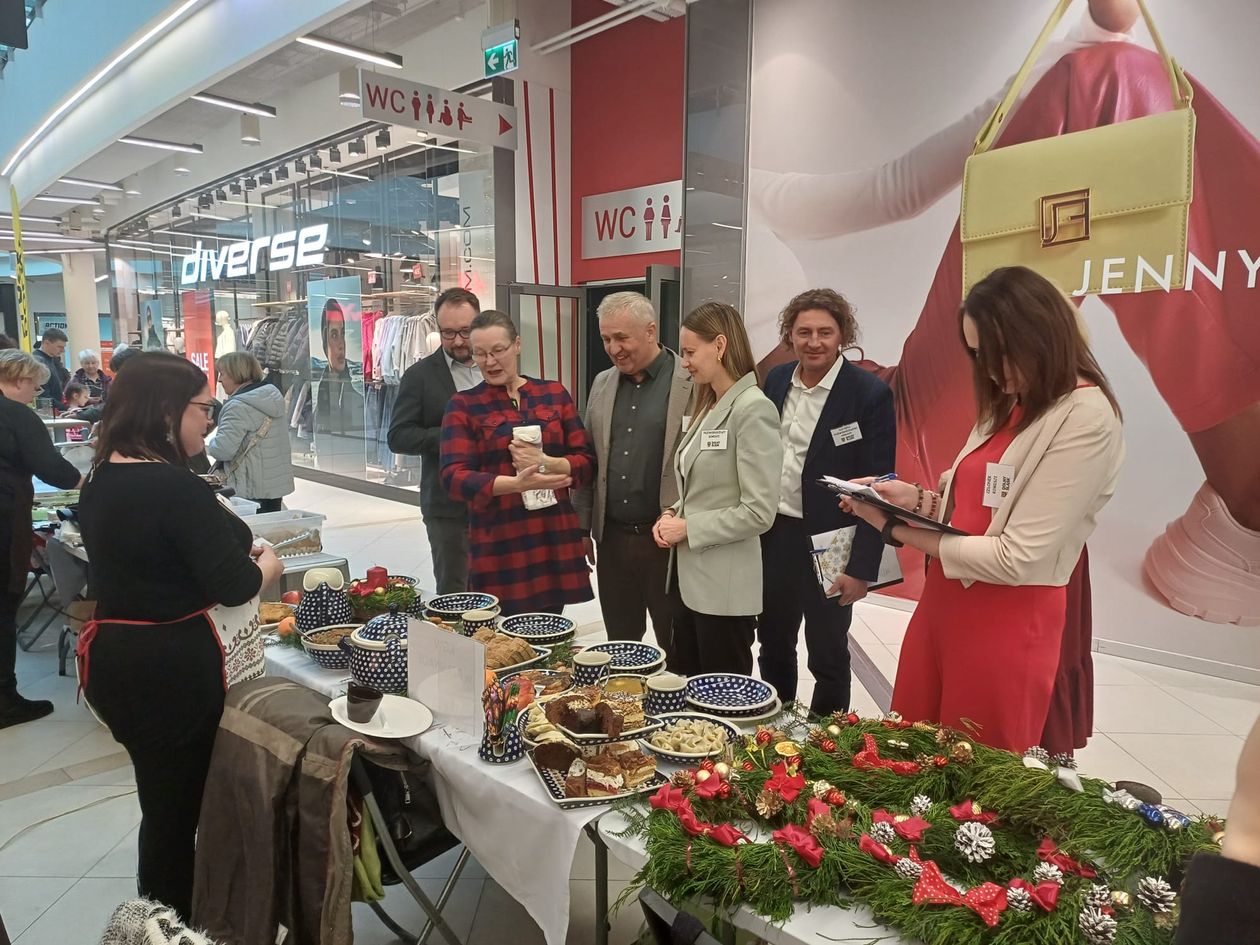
{"points": [[630, 657], [452, 607], [329, 655], [538, 628], [727, 692]]}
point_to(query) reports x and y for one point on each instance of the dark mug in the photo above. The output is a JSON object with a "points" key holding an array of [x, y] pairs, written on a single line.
{"points": [[362, 702]]}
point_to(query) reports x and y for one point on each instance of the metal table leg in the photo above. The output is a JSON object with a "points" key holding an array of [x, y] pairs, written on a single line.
{"points": [[602, 925]]}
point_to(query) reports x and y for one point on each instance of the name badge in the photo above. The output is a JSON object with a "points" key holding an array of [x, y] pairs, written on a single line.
{"points": [[712, 439], [686, 423], [997, 484], [849, 433]]}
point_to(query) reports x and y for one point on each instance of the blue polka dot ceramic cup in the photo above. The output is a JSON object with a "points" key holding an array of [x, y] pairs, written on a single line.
{"points": [[475, 620], [666, 693], [591, 669]]}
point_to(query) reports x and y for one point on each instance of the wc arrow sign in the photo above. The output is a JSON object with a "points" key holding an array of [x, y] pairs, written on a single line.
{"points": [[437, 111]]}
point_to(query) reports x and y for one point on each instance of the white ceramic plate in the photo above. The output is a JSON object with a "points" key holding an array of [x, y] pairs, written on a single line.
{"points": [[397, 717], [733, 736]]}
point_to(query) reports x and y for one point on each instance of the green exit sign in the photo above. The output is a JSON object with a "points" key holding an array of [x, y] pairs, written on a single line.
{"points": [[501, 58]]}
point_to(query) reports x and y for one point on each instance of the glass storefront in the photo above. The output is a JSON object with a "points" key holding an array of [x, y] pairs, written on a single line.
{"points": [[325, 265]]}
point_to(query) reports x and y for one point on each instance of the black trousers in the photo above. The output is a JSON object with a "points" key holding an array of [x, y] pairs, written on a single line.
{"points": [[632, 571], [448, 542], [9, 602], [709, 643], [791, 591], [268, 505], [160, 691]]}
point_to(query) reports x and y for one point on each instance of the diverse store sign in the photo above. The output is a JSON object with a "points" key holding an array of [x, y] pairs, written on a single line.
{"points": [[304, 247], [639, 220], [437, 111]]}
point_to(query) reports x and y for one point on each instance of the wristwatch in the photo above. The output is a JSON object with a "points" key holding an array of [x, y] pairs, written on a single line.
{"points": [[887, 535]]}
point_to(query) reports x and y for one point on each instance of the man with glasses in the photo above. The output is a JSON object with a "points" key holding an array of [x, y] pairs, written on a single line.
{"points": [[416, 430]]}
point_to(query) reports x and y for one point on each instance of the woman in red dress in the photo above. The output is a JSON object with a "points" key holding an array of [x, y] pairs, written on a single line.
{"points": [[530, 558], [984, 644]]}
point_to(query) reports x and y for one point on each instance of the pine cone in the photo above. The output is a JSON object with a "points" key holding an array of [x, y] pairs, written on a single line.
{"points": [[824, 827], [1156, 894], [909, 869], [1047, 872], [1098, 927], [683, 779], [768, 803], [1018, 899], [974, 841], [1063, 760], [883, 833], [919, 804], [1036, 751], [820, 789], [1098, 897]]}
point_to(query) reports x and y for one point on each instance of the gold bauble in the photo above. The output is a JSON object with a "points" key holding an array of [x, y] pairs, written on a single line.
{"points": [[1121, 900], [1219, 837], [962, 752], [703, 775], [833, 730], [722, 769]]}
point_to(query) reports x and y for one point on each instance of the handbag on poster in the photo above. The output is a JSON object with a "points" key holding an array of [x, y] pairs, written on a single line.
{"points": [[1062, 205]]}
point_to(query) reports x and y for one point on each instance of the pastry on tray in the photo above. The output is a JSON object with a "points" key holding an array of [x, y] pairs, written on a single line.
{"points": [[629, 708], [575, 779], [272, 612], [636, 767], [557, 755], [503, 650], [604, 776], [598, 719]]}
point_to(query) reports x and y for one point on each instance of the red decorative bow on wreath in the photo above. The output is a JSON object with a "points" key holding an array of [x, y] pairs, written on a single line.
{"points": [[675, 801], [1045, 895], [876, 849], [987, 900], [970, 810], [908, 828], [802, 841], [868, 759], [1049, 852], [786, 786]]}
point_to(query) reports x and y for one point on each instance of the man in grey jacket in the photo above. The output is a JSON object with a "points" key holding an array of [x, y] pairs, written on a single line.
{"points": [[416, 430], [634, 416]]}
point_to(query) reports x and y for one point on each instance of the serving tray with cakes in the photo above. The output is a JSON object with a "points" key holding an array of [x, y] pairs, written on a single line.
{"points": [[580, 776], [592, 716]]}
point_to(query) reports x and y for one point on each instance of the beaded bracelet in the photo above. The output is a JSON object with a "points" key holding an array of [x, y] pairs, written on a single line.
{"points": [[919, 505]]}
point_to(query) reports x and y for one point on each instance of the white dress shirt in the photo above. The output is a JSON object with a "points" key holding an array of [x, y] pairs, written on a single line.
{"points": [[801, 409], [465, 376]]}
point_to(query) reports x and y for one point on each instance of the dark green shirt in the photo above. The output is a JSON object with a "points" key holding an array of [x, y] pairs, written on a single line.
{"points": [[636, 443]]}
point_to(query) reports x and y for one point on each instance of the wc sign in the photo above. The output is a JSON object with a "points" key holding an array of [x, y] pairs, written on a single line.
{"points": [[640, 220]]}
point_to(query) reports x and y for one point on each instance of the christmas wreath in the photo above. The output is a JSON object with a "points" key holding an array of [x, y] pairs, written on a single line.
{"points": [[945, 840]]}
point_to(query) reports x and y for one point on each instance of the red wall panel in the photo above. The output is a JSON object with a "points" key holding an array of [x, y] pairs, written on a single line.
{"points": [[627, 120]]}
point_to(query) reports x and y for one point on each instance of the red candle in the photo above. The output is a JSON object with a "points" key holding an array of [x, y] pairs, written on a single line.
{"points": [[377, 577]]}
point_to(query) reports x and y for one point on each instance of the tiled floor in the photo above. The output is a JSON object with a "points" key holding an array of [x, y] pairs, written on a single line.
{"points": [[68, 813]]}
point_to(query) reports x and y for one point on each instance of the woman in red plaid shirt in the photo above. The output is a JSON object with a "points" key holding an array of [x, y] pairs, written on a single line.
{"points": [[531, 559]]}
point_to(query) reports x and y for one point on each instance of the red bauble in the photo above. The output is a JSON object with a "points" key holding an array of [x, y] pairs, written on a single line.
{"points": [[827, 745], [763, 737], [707, 764], [835, 798], [748, 766], [940, 761], [725, 790]]}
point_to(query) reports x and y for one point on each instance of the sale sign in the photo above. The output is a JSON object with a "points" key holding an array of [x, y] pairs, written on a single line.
{"points": [[199, 330]]}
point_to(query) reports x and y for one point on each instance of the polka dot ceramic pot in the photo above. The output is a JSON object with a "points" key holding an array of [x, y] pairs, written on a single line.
{"points": [[323, 607]]}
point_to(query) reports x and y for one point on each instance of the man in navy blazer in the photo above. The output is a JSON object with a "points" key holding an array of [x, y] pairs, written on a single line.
{"points": [[835, 420]]}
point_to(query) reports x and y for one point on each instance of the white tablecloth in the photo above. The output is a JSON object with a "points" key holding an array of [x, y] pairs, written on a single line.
{"points": [[807, 925], [500, 812]]}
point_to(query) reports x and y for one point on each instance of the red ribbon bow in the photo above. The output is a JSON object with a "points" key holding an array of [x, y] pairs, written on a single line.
{"points": [[877, 850], [1049, 852], [786, 786], [967, 811], [802, 841], [675, 800], [815, 808], [709, 787], [909, 828], [669, 798], [986, 900], [1045, 895], [868, 758], [727, 835]]}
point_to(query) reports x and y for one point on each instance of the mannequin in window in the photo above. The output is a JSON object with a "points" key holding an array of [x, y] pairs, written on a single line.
{"points": [[225, 336]]}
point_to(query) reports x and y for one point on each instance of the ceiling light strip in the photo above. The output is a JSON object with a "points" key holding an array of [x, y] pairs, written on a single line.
{"points": [[95, 184], [163, 145], [94, 81], [387, 59], [252, 108]]}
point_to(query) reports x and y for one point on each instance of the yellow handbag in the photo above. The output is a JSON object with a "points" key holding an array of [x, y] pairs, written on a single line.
{"points": [[1097, 211]]}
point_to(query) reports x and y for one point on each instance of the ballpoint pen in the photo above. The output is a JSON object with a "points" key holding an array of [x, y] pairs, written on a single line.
{"points": [[886, 478]]}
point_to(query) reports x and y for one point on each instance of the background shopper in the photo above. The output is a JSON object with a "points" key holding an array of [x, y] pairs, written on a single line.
{"points": [[836, 420], [416, 430], [531, 559], [50, 353], [26, 450], [92, 376], [728, 467], [1027, 488], [252, 436], [634, 416], [164, 550]]}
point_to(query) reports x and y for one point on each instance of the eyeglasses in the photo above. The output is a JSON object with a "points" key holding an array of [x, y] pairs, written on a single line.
{"points": [[450, 334], [207, 407], [495, 353]]}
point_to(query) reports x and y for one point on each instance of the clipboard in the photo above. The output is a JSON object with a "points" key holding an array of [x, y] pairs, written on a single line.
{"points": [[868, 495]]}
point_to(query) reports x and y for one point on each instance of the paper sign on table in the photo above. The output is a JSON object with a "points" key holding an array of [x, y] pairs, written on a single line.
{"points": [[447, 673]]}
